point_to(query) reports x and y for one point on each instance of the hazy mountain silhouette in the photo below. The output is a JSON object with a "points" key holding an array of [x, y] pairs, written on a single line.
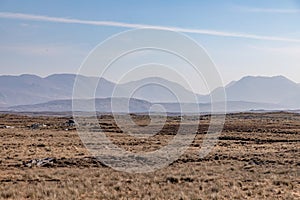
{"points": [[102, 105], [275, 90], [138, 106], [251, 92], [160, 90], [31, 89]]}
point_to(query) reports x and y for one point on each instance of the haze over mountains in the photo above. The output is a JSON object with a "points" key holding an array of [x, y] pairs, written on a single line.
{"points": [[247, 93]]}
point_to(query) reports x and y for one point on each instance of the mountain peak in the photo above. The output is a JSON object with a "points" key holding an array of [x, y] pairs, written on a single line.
{"points": [[263, 89], [263, 77], [29, 76], [32, 89], [60, 75]]}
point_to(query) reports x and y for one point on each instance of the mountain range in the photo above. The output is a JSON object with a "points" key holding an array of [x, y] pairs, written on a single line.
{"points": [[27, 92]]}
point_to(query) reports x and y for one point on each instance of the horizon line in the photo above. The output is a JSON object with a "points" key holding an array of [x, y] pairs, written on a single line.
{"points": [[66, 73]]}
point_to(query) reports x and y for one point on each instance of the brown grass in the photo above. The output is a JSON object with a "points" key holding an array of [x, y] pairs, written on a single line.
{"points": [[257, 157]]}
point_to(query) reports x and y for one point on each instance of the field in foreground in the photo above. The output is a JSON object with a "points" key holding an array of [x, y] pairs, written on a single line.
{"points": [[257, 156]]}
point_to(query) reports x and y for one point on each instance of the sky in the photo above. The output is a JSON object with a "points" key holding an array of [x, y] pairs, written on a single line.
{"points": [[260, 38]]}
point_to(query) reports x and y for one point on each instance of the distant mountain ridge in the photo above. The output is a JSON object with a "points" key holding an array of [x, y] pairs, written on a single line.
{"points": [[263, 89], [257, 92], [32, 89], [102, 105], [137, 106]]}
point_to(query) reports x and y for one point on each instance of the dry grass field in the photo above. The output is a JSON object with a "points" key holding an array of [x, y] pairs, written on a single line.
{"points": [[257, 157]]}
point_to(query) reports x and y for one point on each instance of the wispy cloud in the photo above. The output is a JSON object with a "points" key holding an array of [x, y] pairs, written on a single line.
{"points": [[22, 16], [270, 10], [44, 50], [280, 51]]}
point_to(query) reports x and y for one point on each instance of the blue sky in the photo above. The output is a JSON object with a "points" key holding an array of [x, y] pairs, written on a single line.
{"points": [[253, 37]]}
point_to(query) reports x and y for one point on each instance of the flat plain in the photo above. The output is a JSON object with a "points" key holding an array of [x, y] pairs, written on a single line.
{"points": [[257, 157]]}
